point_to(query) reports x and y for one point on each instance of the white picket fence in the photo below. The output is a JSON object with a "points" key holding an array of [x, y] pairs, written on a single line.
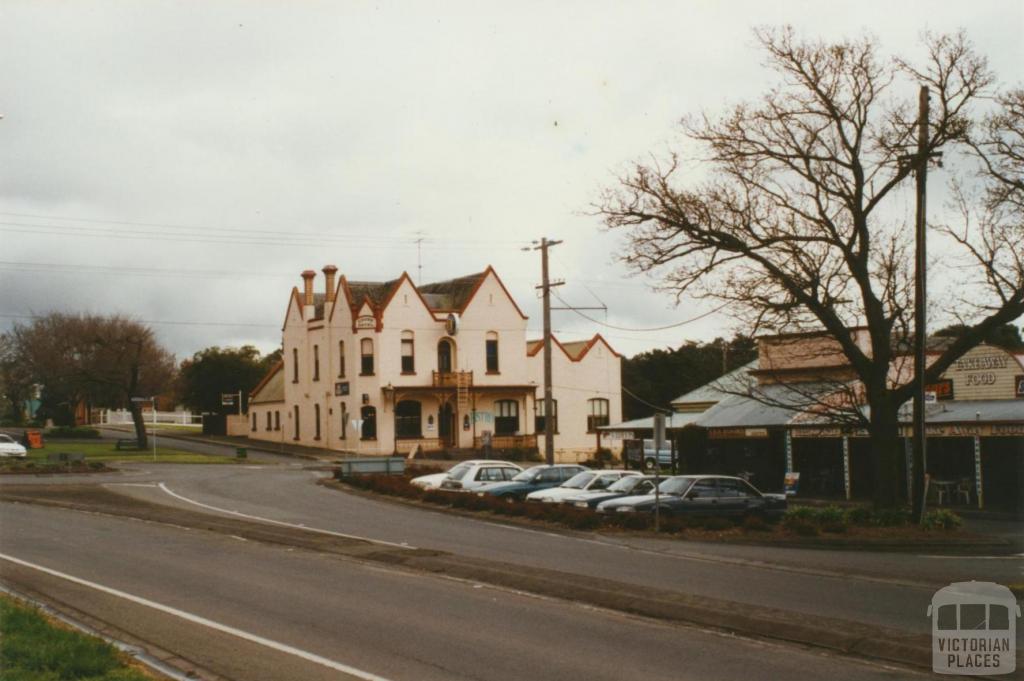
{"points": [[120, 417]]}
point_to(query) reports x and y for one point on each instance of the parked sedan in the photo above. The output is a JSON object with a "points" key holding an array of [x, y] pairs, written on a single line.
{"points": [[587, 480], [481, 470], [8, 447], [631, 485], [476, 474], [531, 480], [705, 494]]}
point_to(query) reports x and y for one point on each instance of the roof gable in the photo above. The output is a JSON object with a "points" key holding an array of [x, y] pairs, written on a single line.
{"points": [[574, 350], [271, 386], [294, 303]]}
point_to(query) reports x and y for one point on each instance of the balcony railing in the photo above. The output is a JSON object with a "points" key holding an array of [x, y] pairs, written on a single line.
{"points": [[453, 379], [508, 441]]}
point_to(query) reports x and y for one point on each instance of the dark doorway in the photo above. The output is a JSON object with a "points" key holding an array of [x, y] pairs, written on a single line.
{"points": [[369, 415], [446, 424]]}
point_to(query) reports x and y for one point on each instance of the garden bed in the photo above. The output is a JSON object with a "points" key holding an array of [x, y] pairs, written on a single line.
{"points": [[802, 526]]}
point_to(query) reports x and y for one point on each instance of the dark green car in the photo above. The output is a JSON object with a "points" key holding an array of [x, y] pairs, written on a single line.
{"points": [[531, 480]]}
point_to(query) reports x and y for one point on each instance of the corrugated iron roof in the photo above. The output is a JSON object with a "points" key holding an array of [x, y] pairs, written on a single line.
{"points": [[735, 381], [271, 387]]}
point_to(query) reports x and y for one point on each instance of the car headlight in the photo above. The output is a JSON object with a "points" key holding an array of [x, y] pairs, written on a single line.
{"points": [[481, 494], [625, 509], [581, 504]]}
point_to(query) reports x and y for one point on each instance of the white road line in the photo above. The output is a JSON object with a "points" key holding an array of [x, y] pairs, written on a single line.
{"points": [[196, 619], [174, 494], [129, 484]]}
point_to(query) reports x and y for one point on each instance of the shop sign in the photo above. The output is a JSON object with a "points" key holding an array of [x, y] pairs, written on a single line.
{"points": [[736, 433], [943, 389], [341, 389], [791, 483], [366, 322]]}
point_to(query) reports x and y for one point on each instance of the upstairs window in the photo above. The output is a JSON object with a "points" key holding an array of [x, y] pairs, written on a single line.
{"points": [[295, 365], [316, 362], [492, 352], [539, 416], [506, 417], [597, 414], [366, 366], [408, 353], [341, 359]]}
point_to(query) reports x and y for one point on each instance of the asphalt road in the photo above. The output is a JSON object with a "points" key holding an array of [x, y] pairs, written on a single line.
{"points": [[244, 610], [877, 588]]}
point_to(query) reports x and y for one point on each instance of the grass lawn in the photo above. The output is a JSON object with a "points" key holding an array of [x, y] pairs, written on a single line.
{"points": [[105, 452], [35, 648]]}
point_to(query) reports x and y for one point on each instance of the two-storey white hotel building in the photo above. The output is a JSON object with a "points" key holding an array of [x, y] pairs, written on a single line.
{"points": [[384, 367]]}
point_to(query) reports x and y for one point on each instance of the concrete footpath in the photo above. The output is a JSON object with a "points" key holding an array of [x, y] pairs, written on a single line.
{"points": [[835, 634]]}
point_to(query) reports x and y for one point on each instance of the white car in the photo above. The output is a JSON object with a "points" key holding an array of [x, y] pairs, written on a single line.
{"points": [[585, 481], [469, 475], [8, 447]]}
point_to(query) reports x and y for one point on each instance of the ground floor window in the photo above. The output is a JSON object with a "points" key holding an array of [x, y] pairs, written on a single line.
{"points": [[297, 431], [539, 417], [270, 424], [408, 420], [316, 418], [369, 416], [277, 420], [597, 414], [506, 417]]}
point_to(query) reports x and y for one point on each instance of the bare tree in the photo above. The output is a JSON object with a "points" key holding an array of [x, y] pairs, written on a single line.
{"points": [[104, 361], [795, 226]]}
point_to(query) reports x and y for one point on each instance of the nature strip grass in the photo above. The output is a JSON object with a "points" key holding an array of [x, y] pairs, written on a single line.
{"points": [[35, 648], [849, 637]]}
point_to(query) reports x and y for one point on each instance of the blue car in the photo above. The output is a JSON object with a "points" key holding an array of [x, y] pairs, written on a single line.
{"points": [[531, 480]]}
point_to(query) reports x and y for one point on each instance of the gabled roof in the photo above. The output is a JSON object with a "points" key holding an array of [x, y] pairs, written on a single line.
{"points": [[574, 350], [453, 294], [271, 387], [735, 381]]}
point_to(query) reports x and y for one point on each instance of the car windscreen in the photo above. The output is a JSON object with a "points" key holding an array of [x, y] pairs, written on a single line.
{"points": [[625, 484], [579, 481], [6, 439], [675, 485], [457, 472], [528, 475]]}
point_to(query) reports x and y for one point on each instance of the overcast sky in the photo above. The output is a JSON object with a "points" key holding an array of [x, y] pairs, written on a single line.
{"points": [[184, 162]]}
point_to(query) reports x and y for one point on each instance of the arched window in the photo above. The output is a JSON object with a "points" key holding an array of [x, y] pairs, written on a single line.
{"points": [[369, 416], [408, 420], [445, 356], [341, 359], [597, 413], [297, 431], [316, 419], [408, 353], [538, 416], [366, 350], [506, 417], [492, 352], [295, 365], [316, 362]]}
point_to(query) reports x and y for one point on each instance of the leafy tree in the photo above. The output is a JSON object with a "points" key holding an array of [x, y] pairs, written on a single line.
{"points": [[102, 360], [796, 220], [659, 376], [215, 371], [1006, 336]]}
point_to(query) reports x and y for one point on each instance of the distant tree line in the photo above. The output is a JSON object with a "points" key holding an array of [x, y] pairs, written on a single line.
{"points": [[659, 376]]}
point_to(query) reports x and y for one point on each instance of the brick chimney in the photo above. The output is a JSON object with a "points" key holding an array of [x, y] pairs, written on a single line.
{"points": [[329, 271], [307, 285]]}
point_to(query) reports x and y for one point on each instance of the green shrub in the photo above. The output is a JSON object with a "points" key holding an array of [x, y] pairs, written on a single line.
{"points": [[891, 517], [805, 513], [942, 519], [859, 515], [76, 433]]}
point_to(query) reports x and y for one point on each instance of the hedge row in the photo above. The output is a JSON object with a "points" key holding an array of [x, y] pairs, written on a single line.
{"points": [[808, 521]]}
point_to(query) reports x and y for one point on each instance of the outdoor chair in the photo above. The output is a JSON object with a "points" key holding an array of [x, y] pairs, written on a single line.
{"points": [[963, 490]]}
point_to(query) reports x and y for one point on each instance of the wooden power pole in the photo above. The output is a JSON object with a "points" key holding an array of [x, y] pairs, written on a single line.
{"points": [[545, 287], [920, 316]]}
